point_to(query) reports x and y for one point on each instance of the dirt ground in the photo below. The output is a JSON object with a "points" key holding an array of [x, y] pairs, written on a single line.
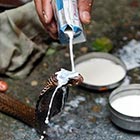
{"points": [[117, 20]]}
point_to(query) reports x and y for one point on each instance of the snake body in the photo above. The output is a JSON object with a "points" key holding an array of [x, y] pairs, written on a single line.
{"points": [[34, 117], [19, 110]]}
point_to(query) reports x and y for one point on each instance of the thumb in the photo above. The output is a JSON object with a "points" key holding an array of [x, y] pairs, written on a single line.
{"points": [[85, 7]]}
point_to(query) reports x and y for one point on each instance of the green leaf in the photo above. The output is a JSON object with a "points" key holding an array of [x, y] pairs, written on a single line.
{"points": [[50, 51], [102, 44]]}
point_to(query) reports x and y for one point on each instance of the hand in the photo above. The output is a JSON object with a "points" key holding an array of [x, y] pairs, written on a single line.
{"points": [[45, 12]]}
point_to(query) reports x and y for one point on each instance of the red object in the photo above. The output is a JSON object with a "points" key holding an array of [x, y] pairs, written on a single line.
{"points": [[135, 3], [3, 86]]}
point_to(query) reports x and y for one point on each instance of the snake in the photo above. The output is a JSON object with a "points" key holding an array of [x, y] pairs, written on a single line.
{"points": [[35, 117]]}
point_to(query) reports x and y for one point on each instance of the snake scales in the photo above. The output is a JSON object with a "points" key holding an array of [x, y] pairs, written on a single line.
{"points": [[29, 115]]}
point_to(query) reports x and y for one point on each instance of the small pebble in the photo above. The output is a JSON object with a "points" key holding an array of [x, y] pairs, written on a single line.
{"points": [[96, 108], [84, 49], [34, 83], [27, 100], [3, 86], [93, 119], [45, 65], [125, 38], [67, 55]]}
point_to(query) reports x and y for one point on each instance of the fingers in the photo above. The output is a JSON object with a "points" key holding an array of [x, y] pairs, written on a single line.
{"points": [[52, 29], [85, 7], [45, 12], [38, 4]]}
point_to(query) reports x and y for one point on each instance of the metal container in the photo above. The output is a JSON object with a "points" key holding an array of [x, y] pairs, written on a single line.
{"points": [[104, 56], [123, 121]]}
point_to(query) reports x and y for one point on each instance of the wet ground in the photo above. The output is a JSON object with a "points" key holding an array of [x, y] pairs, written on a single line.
{"points": [[86, 115]]}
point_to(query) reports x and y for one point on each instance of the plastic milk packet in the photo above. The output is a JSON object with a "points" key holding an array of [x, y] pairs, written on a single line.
{"points": [[67, 18]]}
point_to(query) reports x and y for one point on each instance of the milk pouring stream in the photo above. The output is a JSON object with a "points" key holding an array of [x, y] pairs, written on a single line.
{"points": [[62, 76]]}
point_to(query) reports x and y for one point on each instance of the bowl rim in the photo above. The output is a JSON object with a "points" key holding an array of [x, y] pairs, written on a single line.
{"points": [[106, 56], [119, 90]]}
